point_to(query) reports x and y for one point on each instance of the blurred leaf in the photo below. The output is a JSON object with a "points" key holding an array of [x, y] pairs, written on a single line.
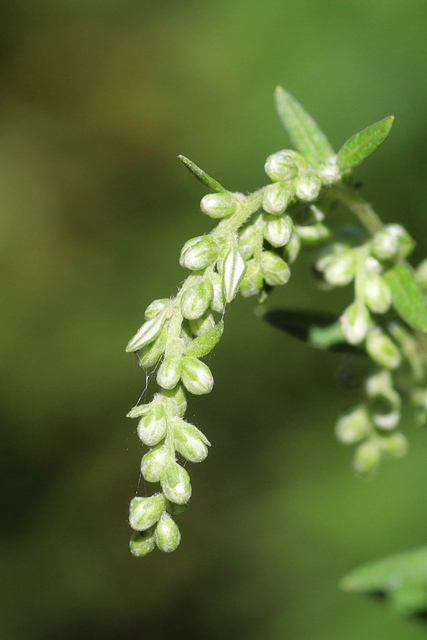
{"points": [[408, 298], [201, 175], [321, 330], [402, 578], [305, 134], [362, 144]]}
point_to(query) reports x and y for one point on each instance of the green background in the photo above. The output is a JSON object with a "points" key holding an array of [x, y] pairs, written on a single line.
{"points": [[97, 98]]}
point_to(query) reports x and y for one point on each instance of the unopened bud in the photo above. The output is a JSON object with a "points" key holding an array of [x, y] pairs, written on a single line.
{"points": [[355, 323], [329, 172], [252, 281], [196, 376], [248, 241], [154, 463], [176, 484], [199, 253], [278, 230], [202, 345], [147, 333], [382, 349], [367, 458], [233, 268], [167, 535], [202, 325], [176, 397], [156, 307], [274, 270], [341, 269], [354, 426], [191, 443], [385, 245], [144, 512], [313, 235], [219, 205], [151, 353], [277, 197], [196, 299], [307, 187], [218, 300], [283, 165], [142, 543], [394, 445], [152, 427], [169, 372], [293, 248], [377, 293]]}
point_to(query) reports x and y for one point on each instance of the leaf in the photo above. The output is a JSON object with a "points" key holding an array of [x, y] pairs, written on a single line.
{"points": [[408, 298], [401, 577], [203, 344], [362, 144], [305, 134], [321, 330], [201, 175]]}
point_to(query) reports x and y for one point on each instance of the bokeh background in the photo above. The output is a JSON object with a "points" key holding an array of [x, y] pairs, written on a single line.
{"points": [[97, 98]]}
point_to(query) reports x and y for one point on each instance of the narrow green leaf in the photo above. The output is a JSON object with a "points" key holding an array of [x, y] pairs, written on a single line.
{"points": [[305, 134], [408, 298], [362, 144], [201, 175], [203, 344], [320, 330], [402, 577]]}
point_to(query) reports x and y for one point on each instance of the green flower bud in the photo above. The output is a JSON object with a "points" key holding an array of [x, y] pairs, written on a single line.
{"points": [[278, 230], [202, 325], [169, 372], [155, 463], [367, 458], [293, 248], [274, 270], [219, 205], [233, 268], [252, 281], [152, 427], [176, 484], [196, 300], [283, 165], [144, 512], [167, 534], [385, 245], [372, 265], [382, 349], [355, 323], [147, 333], [421, 274], [341, 269], [150, 354], [142, 543], [277, 197], [196, 376], [202, 345], [329, 172], [191, 443], [199, 253], [405, 242], [248, 241], [176, 399], [394, 445], [377, 293], [156, 307], [354, 426], [384, 401], [218, 300], [307, 187], [313, 235]]}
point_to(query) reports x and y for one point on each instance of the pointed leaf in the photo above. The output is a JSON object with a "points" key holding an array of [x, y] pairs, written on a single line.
{"points": [[305, 134], [408, 298], [362, 144], [319, 329], [201, 175]]}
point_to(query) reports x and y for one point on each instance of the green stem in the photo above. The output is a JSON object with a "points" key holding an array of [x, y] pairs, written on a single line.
{"points": [[248, 206], [357, 205]]}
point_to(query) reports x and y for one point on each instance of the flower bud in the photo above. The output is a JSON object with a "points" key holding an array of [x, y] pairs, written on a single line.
{"points": [[313, 235], [167, 535], [354, 426], [218, 300], [274, 270], [367, 458], [394, 445], [152, 427], [283, 165], [190, 443], [169, 372], [377, 293], [384, 401], [147, 333], [248, 241], [202, 345], [385, 245], [154, 463], [382, 349], [151, 353], [307, 187], [293, 248], [196, 299], [278, 230], [252, 281], [199, 253], [196, 376], [144, 512], [329, 172], [405, 242], [176, 398], [202, 325], [142, 543], [421, 274], [156, 307], [219, 205], [176, 484], [277, 197], [341, 269], [233, 268], [355, 323]]}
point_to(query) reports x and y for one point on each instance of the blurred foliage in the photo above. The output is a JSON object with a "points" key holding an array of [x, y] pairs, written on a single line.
{"points": [[97, 98]]}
